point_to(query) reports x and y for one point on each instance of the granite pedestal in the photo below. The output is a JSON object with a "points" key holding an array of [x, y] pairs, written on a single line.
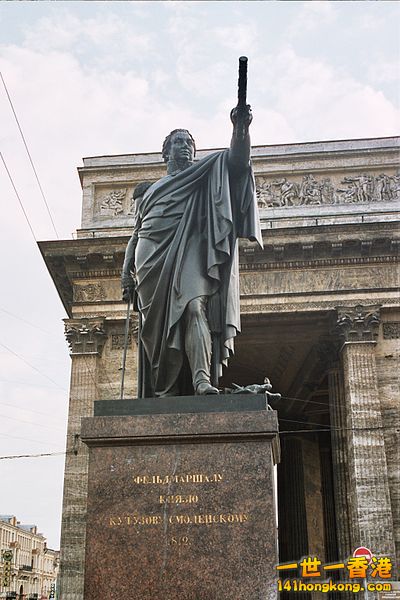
{"points": [[181, 499]]}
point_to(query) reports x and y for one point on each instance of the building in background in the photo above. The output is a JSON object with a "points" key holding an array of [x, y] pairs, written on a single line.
{"points": [[320, 313], [28, 569]]}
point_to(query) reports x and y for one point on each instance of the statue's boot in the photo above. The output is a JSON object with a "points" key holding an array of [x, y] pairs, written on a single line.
{"points": [[198, 346], [204, 388]]}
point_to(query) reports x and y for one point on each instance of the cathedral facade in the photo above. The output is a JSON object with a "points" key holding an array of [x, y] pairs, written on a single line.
{"points": [[320, 317]]}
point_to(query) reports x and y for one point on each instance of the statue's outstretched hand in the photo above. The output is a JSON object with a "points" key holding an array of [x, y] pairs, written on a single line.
{"points": [[242, 116]]}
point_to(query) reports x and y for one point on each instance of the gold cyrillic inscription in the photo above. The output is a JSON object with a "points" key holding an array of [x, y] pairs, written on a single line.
{"points": [[182, 478], [206, 519], [135, 520], [209, 519], [178, 499]]}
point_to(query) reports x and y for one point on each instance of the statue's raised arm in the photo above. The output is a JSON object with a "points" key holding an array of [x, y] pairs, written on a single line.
{"points": [[241, 117]]}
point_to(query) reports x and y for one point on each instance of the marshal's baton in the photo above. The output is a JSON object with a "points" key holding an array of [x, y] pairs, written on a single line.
{"points": [[242, 83], [242, 95]]}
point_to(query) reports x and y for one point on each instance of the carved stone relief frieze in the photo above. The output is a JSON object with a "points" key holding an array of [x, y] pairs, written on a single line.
{"points": [[360, 188], [111, 204], [131, 209], [89, 292], [118, 341], [117, 333], [114, 200], [391, 331]]}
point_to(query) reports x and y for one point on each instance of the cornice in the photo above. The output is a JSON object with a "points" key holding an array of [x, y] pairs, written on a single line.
{"points": [[267, 150], [327, 156]]}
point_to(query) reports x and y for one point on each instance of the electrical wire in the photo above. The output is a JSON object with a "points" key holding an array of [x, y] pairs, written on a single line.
{"points": [[25, 383], [29, 155], [18, 196], [34, 237], [31, 423], [90, 370], [36, 412], [33, 234], [28, 322], [305, 401], [32, 325], [16, 437], [333, 428], [32, 367], [13, 456], [282, 432]]}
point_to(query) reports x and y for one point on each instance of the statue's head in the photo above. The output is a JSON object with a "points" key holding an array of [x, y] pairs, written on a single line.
{"points": [[179, 147]]}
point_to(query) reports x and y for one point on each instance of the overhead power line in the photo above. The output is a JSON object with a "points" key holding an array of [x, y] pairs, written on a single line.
{"points": [[27, 322], [34, 455], [29, 155], [18, 196], [18, 437], [35, 412], [32, 366], [283, 432], [51, 427], [26, 216]]}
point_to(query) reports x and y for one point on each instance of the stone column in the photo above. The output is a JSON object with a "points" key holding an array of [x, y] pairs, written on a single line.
{"points": [[293, 535], [330, 521], [339, 461], [292, 518], [371, 522], [86, 338]]}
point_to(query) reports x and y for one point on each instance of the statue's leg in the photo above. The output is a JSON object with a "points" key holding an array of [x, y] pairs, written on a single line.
{"points": [[198, 345]]}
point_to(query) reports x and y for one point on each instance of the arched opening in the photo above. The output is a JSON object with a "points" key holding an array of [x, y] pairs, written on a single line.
{"points": [[296, 351]]}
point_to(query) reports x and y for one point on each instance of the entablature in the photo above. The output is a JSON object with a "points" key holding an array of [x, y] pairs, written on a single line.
{"points": [[87, 270]]}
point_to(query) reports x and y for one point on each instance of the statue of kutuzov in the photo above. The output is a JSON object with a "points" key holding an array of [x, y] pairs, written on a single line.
{"points": [[182, 261]]}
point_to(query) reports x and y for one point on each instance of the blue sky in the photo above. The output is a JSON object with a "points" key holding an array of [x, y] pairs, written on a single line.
{"points": [[92, 78]]}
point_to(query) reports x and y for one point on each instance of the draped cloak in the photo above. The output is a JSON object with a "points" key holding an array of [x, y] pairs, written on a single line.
{"points": [[189, 223]]}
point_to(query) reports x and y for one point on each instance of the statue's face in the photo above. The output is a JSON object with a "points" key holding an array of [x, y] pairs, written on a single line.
{"points": [[181, 148]]}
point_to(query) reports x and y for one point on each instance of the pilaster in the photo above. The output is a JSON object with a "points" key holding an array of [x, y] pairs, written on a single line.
{"points": [[86, 338], [371, 522]]}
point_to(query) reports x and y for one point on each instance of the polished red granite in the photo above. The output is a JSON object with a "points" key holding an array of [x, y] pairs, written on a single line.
{"points": [[181, 507]]}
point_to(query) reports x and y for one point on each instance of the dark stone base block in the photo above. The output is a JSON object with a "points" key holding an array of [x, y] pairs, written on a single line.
{"points": [[181, 506]]}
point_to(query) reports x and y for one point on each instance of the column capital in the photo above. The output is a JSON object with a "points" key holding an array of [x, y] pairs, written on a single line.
{"points": [[85, 336], [358, 323]]}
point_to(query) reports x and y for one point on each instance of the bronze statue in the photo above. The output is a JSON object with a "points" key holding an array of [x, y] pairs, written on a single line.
{"points": [[182, 259]]}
